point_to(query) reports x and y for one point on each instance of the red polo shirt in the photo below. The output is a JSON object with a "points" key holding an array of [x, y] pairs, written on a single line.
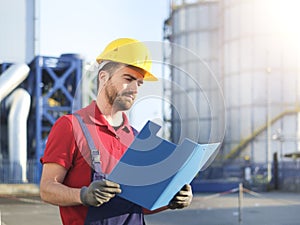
{"points": [[67, 146]]}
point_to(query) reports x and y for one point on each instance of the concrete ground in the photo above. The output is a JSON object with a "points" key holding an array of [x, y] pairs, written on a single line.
{"points": [[271, 208], [266, 209]]}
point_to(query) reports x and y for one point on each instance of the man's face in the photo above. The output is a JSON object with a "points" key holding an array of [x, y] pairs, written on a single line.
{"points": [[122, 87]]}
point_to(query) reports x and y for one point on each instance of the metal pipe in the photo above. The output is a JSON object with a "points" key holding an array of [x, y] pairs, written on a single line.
{"points": [[19, 103], [11, 78]]}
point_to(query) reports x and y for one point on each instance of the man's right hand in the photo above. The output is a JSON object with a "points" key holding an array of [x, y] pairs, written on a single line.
{"points": [[99, 192]]}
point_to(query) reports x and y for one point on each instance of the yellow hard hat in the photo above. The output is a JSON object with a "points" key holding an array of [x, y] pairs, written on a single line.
{"points": [[131, 52]]}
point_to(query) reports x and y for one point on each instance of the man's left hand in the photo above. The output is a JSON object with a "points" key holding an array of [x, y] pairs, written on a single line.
{"points": [[182, 199]]}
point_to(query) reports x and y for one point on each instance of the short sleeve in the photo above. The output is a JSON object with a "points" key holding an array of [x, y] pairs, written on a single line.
{"points": [[60, 145]]}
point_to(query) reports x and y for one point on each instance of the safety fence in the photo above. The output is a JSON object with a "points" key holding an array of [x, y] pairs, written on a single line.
{"points": [[285, 177], [10, 172], [240, 189]]}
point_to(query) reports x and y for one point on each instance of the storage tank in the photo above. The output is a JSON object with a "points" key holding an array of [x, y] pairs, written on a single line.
{"points": [[196, 96], [252, 48], [260, 52], [19, 30]]}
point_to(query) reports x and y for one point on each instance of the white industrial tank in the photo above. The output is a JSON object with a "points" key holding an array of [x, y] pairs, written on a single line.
{"points": [[197, 101], [260, 52]]}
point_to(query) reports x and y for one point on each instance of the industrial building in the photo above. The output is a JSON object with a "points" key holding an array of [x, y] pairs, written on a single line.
{"points": [[251, 48], [231, 75]]}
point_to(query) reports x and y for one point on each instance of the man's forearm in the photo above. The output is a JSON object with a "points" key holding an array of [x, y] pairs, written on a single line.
{"points": [[58, 194]]}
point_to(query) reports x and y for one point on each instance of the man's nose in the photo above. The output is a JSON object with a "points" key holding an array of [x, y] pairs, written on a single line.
{"points": [[133, 86]]}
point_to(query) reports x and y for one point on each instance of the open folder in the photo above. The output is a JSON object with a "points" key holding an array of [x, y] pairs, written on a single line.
{"points": [[153, 170]]}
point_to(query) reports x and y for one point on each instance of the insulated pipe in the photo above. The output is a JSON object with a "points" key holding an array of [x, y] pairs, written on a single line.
{"points": [[11, 78], [19, 103]]}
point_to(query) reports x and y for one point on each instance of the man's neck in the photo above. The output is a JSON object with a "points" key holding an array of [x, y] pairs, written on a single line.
{"points": [[113, 117]]}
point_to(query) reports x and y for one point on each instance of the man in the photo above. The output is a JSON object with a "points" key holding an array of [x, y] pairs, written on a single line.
{"points": [[70, 178]]}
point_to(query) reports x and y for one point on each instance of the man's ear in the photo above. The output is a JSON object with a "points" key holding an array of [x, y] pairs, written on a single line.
{"points": [[103, 77]]}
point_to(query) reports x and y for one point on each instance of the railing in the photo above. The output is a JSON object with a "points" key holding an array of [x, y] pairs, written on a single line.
{"points": [[244, 142]]}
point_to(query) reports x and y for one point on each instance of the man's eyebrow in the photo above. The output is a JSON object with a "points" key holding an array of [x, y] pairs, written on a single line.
{"points": [[132, 77], [129, 75]]}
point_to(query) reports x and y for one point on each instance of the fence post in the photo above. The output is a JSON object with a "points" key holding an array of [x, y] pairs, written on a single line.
{"points": [[276, 180], [240, 202]]}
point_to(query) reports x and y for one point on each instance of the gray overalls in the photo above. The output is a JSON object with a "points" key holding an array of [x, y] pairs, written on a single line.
{"points": [[117, 211]]}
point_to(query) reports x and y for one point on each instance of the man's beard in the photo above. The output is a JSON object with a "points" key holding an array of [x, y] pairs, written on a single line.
{"points": [[117, 100]]}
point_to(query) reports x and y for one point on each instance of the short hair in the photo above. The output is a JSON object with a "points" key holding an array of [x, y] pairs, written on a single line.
{"points": [[109, 67]]}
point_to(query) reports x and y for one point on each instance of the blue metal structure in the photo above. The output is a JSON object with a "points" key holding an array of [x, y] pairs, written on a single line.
{"points": [[55, 84], [52, 84]]}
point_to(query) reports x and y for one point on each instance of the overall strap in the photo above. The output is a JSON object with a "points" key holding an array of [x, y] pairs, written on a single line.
{"points": [[95, 154]]}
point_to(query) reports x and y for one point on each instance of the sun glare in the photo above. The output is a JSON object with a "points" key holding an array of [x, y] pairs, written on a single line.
{"points": [[286, 16]]}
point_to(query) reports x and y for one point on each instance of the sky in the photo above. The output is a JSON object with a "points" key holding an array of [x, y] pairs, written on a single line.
{"points": [[86, 27]]}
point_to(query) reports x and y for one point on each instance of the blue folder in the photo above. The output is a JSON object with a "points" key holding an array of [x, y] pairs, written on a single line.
{"points": [[153, 170]]}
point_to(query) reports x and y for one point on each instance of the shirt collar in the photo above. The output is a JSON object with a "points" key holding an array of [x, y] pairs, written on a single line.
{"points": [[96, 116]]}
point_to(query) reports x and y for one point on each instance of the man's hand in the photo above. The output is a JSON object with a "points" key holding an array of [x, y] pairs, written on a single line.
{"points": [[99, 192], [182, 199]]}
